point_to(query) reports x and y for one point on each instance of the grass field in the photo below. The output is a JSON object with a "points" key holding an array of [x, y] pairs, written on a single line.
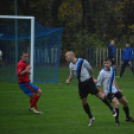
{"points": [[63, 113]]}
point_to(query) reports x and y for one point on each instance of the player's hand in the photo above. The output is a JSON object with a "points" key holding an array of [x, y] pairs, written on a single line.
{"points": [[129, 62], [67, 81], [29, 73], [28, 68], [122, 62], [120, 91], [95, 81], [113, 59]]}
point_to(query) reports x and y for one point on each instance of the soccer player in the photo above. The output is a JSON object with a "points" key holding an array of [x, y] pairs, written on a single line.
{"points": [[127, 59], [23, 71], [79, 68], [110, 87], [111, 54]]}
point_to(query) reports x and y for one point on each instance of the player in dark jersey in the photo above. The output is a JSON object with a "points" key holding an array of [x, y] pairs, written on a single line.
{"points": [[79, 68], [127, 58], [111, 54], [23, 71]]}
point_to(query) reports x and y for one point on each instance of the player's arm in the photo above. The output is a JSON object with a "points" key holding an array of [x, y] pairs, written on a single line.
{"points": [[131, 57], [21, 71], [99, 81], [92, 75], [115, 83], [88, 66], [69, 79], [71, 76]]}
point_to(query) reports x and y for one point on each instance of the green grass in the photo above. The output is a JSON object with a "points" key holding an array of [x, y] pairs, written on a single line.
{"points": [[63, 112]]}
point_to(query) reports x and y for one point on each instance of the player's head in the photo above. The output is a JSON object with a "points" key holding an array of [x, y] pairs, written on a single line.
{"points": [[24, 56], [112, 42], [127, 45], [69, 56], [107, 63]]}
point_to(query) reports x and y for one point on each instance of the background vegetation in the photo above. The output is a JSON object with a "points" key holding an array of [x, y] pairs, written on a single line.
{"points": [[86, 22]]}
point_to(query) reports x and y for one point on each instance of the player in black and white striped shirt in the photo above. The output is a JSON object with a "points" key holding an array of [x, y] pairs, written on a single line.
{"points": [[79, 68], [110, 88]]}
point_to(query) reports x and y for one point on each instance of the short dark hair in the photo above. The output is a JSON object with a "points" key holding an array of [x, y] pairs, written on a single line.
{"points": [[107, 59], [127, 43], [24, 52]]}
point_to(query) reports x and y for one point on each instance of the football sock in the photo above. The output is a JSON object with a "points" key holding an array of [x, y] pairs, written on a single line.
{"points": [[35, 104], [126, 110], [117, 117], [107, 103], [87, 110], [34, 101]]}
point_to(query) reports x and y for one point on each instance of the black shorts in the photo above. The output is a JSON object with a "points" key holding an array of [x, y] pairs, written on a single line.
{"points": [[118, 95], [87, 87], [113, 61]]}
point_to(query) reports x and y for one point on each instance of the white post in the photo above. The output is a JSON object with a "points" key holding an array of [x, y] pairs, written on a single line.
{"points": [[103, 55], [96, 57], [117, 57], [32, 50], [100, 57], [120, 57]]}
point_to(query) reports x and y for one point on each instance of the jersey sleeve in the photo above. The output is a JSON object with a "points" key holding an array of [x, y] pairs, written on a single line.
{"points": [[87, 65], [20, 68], [99, 79], [131, 58], [72, 72]]}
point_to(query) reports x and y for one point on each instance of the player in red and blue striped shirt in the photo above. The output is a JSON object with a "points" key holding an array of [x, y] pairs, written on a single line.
{"points": [[23, 71]]}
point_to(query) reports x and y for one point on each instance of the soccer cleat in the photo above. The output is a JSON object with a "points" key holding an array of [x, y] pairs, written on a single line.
{"points": [[37, 112], [117, 123], [129, 119], [114, 112], [30, 109], [91, 121]]}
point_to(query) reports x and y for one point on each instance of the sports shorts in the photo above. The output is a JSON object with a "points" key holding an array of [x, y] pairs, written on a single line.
{"points": [[118, 95], [28, 88], [87, 87]]}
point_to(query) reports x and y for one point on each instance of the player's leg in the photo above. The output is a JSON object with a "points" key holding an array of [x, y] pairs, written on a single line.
{"points": [[88, 111], [36, 98], [131, 67], [115, 101], [123, 66], [94, 91], [126, 108], [104, 100], [116, 105], [29, 90], [86, 107], [83, 93], [31, 99]]}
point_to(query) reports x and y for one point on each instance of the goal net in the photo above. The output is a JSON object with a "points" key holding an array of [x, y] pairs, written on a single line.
{"points": [[20, 33]]}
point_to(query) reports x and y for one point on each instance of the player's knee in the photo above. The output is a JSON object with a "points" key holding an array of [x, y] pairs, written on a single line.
{"points": [[39, 92], [84, 101], [125, 103], [99, 95], [117, 104]]}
